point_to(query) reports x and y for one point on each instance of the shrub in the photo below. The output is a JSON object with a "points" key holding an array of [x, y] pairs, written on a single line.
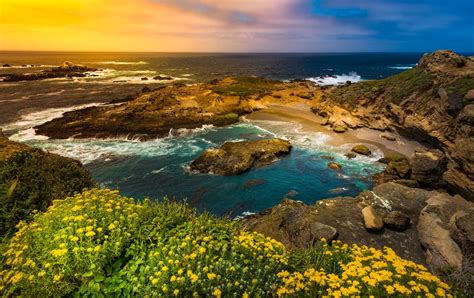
{"points": [[32, 179], [99, 243]]}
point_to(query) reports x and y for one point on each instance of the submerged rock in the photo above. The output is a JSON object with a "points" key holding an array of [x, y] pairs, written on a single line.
{"points": [[334, 166], [254, 182], [234, 158]]}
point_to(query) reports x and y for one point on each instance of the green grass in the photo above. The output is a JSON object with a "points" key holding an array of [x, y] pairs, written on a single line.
{"points": [[246, 86], [461, 85]]}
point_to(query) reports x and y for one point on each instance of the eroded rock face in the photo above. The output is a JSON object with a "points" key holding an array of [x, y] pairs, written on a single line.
{"points": [[292, 223], [443, 224], [428, 167], [440, 59], [435, 228], [234, 158]]}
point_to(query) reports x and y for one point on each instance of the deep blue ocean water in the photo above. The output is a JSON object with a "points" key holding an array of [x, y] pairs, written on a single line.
{"points": [[158, 168]]}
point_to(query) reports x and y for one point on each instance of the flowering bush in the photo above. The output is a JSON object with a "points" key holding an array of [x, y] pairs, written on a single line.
{"points": [[99, 243]]}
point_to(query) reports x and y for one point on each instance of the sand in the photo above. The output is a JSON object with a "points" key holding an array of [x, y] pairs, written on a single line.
{"points": [[301, 114]]}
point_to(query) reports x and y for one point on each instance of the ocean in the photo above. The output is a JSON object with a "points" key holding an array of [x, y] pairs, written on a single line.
{"points": [[158, 168]]}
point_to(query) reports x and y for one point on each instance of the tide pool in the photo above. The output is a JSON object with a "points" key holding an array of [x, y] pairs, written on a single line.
{"points": [[159, 168]]}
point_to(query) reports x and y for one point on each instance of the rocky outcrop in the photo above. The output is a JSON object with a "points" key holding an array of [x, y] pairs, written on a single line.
{"points": [[431, 103], [292, 223], [234, 158], [172, 108], [425, 226], [427, 167], [334, 166], [445, 231], [67, 69]]}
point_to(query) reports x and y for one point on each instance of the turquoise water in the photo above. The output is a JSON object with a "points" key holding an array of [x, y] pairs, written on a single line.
{"points": [[158, 168]]}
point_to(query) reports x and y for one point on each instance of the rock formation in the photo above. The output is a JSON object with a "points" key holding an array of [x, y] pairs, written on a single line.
{"points": [[233, 158], [67, 69]]}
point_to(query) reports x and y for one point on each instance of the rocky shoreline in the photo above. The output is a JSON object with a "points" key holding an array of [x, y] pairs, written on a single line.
{"points": [[421, 206], [66, 70]]}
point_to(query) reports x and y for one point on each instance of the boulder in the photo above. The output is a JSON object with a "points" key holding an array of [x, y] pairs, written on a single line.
{"points": [[458, 182], [396, 220], [467, 114], [334, 166], [292, 223], [234, 158], [469, 95], [162, 78], [144, 79], [361, 149], [453, 103], [463, 154], [6, 65], [462, 230], [339, 129], [388, 137], [428, 166], [437, 224], [350, 155], [372, 221]]}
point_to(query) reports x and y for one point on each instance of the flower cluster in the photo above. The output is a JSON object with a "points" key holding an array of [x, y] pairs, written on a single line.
{"points": [[69, 243], [99, 243], [367, 272], [209, 256]]}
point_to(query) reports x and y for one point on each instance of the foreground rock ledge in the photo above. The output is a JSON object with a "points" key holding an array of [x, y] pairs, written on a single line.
{"points": [[441, 233], [234, 158]]}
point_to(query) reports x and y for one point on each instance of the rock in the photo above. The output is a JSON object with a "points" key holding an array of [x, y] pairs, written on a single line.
{"points": [[163, 78], [388, 137], [66, 70], [396, 220], [334, 166], [292, 223], [395, 156], [361, 149], [6, 65], [328, 157], [428, 167], [339, 129], [350, 155], [441, 58], [458, 182], [463, 154], [372, 220], [453, 102], [469, 95], [254, 182], [467, 114], [436, 225], [234, 158], [462, 230], [144, 79]]}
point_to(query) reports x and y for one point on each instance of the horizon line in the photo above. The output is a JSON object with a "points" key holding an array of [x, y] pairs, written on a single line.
{"points": [[230, 52]]}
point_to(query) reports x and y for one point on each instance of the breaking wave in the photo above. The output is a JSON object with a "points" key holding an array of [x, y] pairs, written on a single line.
{"points": [[325, 80]]}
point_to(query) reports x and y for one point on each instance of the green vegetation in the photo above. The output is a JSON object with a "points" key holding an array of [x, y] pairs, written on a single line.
{"points": [[394, 89], [99, 243], [30, 180], [246, 86], [461, 85]]}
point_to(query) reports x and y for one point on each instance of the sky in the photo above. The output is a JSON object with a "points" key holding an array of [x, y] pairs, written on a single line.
{"points": [[237, 25]]}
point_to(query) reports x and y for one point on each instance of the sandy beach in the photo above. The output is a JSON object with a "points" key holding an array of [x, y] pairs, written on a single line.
{"points": [[301, 114]]}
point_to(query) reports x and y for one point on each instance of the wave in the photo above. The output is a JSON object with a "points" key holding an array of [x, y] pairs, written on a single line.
{"points": [[353, 77], [24, 126], [113, 76], [403, 67], [243, 215], [121, 63]]}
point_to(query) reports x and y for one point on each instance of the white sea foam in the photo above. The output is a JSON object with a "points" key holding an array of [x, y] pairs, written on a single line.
{"points": [[243, 215], [403, 67], [353, 77], [182, 132], [122, 62], [24, 125]]}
